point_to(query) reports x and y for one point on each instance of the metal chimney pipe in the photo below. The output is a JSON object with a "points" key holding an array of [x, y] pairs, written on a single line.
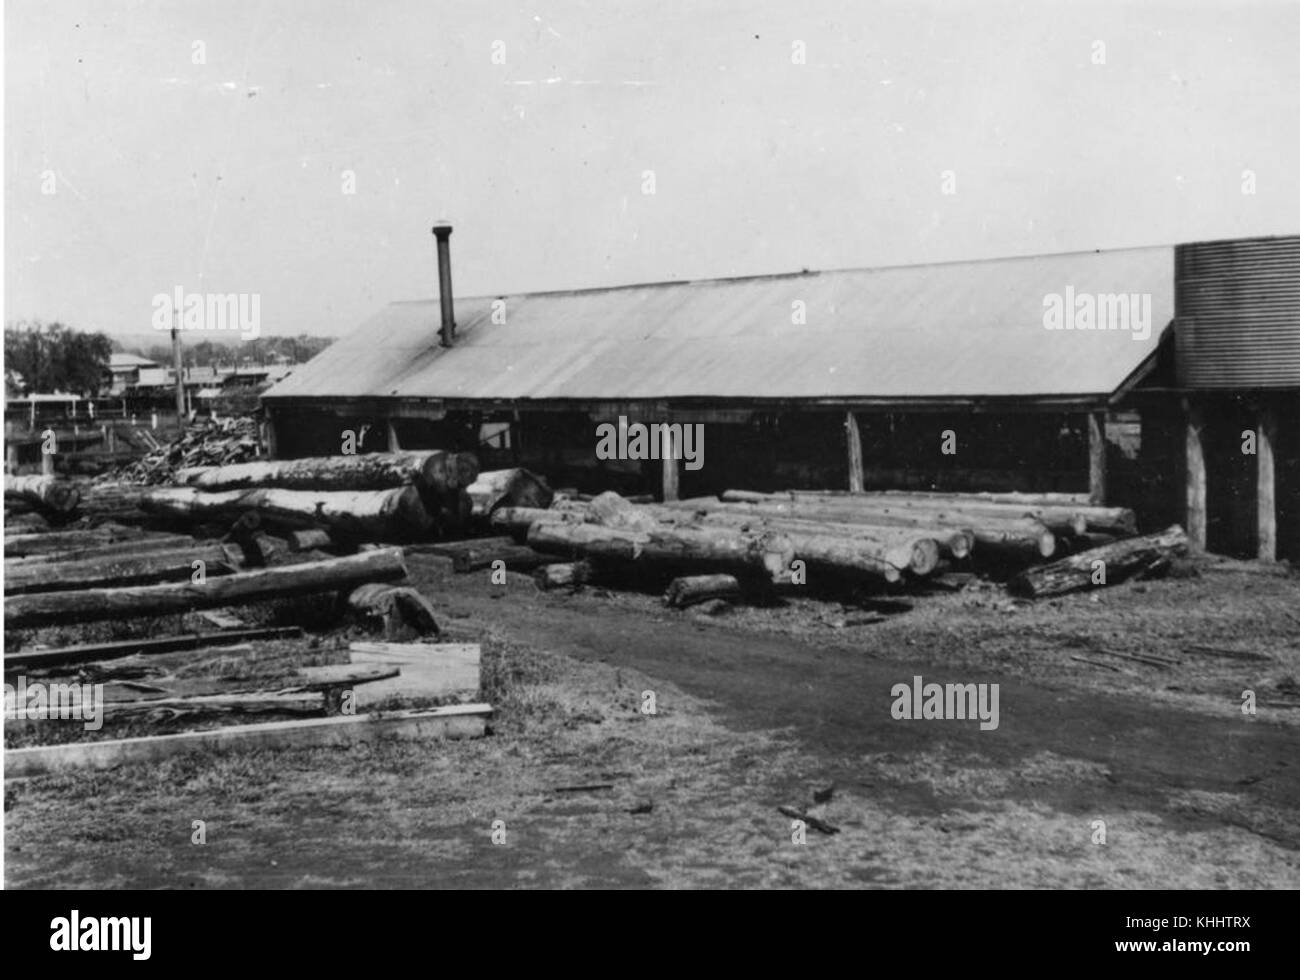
{"points": [[442, 232]]}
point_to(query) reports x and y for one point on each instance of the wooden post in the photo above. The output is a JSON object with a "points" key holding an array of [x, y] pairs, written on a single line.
{"points": [[268, 434], [180, 380], [1097, 458], [1266, 487], [1195, 454], [856, 478], [669, 453], [394, 444]]}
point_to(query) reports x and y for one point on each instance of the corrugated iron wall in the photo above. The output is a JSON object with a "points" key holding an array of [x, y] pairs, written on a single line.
{"points": [[1238, 313]]}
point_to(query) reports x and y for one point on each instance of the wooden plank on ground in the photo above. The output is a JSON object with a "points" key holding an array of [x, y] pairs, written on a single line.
{"points": [[428, 669], [223, 620], [454, 721], [85, 653]]}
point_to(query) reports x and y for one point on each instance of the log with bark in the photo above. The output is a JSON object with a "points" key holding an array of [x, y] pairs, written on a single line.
{"points": [[44, 492], [143, 545], [375, 514], [508, 488], [717, 547], [402, 611], [432, 471], [173, 565], [1102, 566], [50, 542], [691, 589], [44, 609]]}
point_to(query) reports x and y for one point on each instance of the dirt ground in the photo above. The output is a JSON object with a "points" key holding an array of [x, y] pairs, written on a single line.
{"points": [[756, 709]]}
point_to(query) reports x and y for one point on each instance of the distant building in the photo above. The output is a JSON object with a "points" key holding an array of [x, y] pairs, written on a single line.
{"points": [[125, 369]]}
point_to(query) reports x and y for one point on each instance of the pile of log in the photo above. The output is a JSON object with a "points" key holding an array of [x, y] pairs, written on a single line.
{"points": [[362, 497], [890, 537]]}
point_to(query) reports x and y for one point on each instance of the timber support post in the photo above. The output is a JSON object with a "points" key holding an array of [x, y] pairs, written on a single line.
{"points": [[1097, 458], [1266, 487], [669, 451], [857, 482], [1194, 425]]}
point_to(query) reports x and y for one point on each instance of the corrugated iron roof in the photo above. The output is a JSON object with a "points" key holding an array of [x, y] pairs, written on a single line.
{"points": [[965, 329]]}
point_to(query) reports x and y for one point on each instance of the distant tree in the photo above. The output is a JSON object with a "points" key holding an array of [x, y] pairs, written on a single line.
{"points": [[55, 357]]}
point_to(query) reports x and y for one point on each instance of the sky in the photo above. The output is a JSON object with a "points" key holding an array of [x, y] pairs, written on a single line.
{"points": [[300, 151]]}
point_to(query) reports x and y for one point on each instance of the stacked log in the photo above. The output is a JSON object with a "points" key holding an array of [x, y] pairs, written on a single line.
{"points": [[996, 530], [769, 555]]}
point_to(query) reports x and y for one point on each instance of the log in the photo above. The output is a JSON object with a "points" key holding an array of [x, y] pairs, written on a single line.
{"points": [[517, 557], [377, 514], [26, 545], [44, 492], [611, 510], [173, 565], [43, 609], [26, 524], [1122, 560], [264, 550], [902, 548], [308, 539], [110, 498], [517, 520], [722, 547], [146, 544], [562, 575], [433, 471], [1059, 520], [692, 589], [1106, 520], [507, 488], [403, 612]]}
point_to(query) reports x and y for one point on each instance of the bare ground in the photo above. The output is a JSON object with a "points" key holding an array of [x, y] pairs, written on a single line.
{"points": [[757, 709]]}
